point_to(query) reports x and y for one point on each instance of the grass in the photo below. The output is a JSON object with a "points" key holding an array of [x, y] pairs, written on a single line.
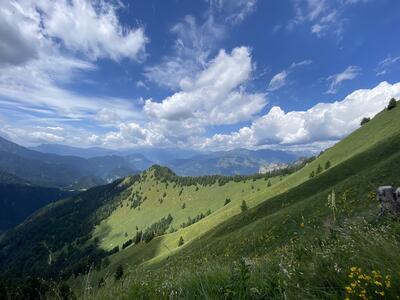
{"points": [[287, 245]]}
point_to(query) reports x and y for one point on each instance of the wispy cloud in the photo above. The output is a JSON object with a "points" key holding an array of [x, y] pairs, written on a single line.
{"points": [[336, 80], [280, 79], [324, 17], [385, 65], [232, 11]]}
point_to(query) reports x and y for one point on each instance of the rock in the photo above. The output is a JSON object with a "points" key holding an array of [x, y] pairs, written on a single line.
{"points": [[389, 199]]}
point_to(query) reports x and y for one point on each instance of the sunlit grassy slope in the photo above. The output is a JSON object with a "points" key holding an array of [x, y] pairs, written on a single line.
{"points": [[124, 219], [289, 236]]}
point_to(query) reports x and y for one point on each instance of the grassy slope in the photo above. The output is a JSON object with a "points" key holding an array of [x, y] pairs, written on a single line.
{"points": [[293, 208], [112, 230]]}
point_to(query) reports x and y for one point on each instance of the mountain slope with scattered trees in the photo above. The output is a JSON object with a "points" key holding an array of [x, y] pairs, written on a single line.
{"points": [[281, 235]]}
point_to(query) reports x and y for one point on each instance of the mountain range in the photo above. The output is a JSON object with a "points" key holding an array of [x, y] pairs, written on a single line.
{"points": [[186, 162], [51, 170]]}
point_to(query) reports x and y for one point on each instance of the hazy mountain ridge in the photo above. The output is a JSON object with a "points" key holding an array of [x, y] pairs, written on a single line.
{"points": [[59, 171], [233, 162], [188, 162]]}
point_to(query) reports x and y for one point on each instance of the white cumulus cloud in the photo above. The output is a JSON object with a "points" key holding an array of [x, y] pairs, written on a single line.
{"points": [[214, 96], [321, 123]]}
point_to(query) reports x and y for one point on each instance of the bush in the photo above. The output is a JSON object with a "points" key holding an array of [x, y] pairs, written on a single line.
{"points": [[392, 104], [243, 206], [227, 201], [269, 183], [312, 174], [365, 121]]}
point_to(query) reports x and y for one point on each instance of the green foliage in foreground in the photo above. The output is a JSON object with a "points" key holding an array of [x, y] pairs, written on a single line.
{"points": [[305, 268]]}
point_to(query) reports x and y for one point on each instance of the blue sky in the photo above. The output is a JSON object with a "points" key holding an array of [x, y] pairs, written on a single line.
{"points": [[208, 75]]}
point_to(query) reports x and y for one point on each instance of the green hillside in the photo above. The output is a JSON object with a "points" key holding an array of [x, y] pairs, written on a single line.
{"points": [[295, 206], [288, 243]]}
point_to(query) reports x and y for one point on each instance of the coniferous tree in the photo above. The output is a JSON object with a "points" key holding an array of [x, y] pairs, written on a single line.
{"points": [[227, 201], [319, 169], [327, 165], [312, 174], [269, 183], [181, 241], [243, 206]]}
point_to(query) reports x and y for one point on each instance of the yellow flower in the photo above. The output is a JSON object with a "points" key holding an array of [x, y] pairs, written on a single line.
{"points": [[353, 269], [377, 283]]}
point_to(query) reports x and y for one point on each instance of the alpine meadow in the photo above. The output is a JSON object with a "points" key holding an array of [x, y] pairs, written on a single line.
{"points": [[204, 149]]}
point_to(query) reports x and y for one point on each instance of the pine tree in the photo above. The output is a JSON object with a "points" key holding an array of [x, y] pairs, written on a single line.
{"points": [[312, 174], [327, 165], [243, 206], [181, 241], [319, 169], [269, 183], [227, 201]]}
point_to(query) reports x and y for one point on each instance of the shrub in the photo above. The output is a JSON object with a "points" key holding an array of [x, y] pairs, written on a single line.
{"points": [[243, 206], [227, 201], [365, 121], [183, 206], [312, 174], [319, 169], [269, 183], [392, 104], [181, 241]]}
